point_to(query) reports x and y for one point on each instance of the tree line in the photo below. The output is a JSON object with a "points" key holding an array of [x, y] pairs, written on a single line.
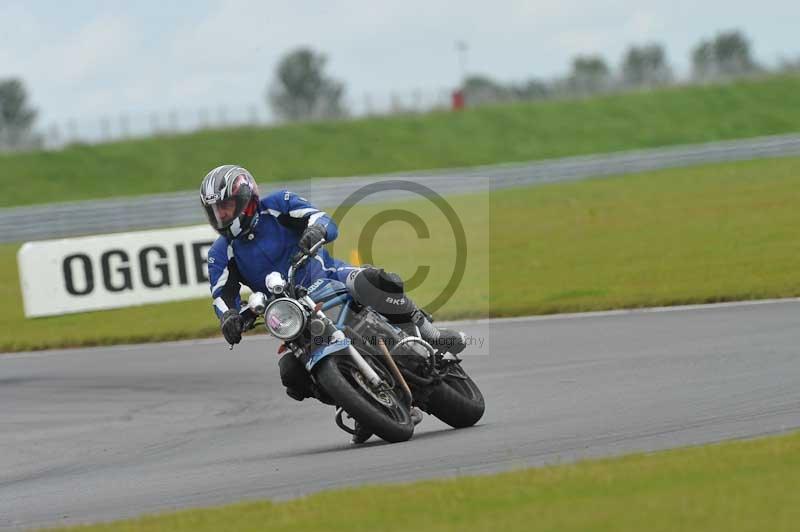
{"points": [[726, 56], [302, 89]]}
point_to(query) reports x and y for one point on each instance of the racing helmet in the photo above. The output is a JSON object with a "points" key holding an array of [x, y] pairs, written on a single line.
{"points": [[229, 195]]}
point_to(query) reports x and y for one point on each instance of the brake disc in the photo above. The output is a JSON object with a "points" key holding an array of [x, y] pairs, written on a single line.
{"points": [[380, 396]]}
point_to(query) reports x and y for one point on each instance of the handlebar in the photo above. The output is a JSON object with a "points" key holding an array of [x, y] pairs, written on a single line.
{"points": [[302, 260]]}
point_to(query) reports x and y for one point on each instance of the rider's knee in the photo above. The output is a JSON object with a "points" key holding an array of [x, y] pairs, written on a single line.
{"points": [[369, 277], [381, 290], [295, 377]]}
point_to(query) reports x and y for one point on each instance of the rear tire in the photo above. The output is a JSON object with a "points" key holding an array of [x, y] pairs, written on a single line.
{"points": [[457, 400], [388, 419]]}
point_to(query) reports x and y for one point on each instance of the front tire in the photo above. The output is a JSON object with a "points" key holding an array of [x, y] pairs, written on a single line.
{"points": [[383, 413]]}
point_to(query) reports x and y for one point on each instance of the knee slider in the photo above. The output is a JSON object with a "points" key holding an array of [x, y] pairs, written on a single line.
{"points": [[381, 290], [294, 375]]}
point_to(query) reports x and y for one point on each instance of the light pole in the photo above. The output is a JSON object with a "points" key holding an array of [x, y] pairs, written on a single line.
{"points": [[462, 48]]}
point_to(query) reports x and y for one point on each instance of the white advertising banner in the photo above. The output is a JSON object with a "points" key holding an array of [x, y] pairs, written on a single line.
{"points": [[112, 271]]}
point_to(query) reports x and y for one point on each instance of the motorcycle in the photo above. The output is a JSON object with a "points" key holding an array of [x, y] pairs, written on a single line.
{"points": [[374, 372]]}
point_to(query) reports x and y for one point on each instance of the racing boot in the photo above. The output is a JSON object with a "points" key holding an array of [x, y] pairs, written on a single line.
{"points": [[362, 434], [446, 340]]}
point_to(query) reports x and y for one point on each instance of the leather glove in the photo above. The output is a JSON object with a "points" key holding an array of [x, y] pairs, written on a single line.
{"points": [[312, 235], [232, 325]]}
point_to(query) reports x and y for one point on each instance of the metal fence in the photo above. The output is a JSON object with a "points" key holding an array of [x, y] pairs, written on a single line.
{"points": [[182, 208], [130, 125]]}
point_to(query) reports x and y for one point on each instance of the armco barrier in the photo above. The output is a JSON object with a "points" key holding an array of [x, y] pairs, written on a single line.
{"points": [[182, 208]]}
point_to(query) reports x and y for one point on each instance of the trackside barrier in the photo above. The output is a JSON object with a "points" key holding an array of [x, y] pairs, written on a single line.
{"points": [[56, 220]]}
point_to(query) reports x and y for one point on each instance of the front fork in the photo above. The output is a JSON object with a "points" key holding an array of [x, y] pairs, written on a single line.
{"points": [[338, 336], [366, 370]]}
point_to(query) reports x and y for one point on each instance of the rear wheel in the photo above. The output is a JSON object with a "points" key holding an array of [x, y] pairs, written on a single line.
{"points": [[379, 411], [457, 400]]}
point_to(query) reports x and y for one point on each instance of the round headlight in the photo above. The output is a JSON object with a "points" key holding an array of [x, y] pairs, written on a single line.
{"points": [[284, 319]]}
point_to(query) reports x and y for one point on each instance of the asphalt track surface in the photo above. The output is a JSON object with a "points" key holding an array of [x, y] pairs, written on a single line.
{"points": [[98, 434]]}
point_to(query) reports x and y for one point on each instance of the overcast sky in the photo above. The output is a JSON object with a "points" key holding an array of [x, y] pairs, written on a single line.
{"points": [[87, 59]]}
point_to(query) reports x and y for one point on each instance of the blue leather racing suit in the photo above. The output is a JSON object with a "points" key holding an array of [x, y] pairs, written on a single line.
{"points": [[269, 247]]}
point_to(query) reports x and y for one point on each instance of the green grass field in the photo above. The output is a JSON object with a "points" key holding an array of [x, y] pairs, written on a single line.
{"points": [[486, 135], [704, 234], [739, 486]]}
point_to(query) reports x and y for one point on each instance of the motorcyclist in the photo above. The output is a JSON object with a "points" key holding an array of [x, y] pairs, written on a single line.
{"points": [[260, 236]]}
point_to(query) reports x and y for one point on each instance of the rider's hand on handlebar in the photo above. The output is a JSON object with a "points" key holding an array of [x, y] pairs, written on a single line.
{"points": [[232, 325], [315, 234], [311, 236]]}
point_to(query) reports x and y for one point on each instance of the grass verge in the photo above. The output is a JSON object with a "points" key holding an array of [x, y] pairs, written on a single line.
{"points": [[486, 135], [694, 235], [738, 486]]}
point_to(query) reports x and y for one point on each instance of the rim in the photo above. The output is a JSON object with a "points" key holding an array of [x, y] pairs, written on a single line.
{"points": [[384, 399]]}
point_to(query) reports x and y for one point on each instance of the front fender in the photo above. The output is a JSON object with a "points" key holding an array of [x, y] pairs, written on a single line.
{"points": [[324, 350]]}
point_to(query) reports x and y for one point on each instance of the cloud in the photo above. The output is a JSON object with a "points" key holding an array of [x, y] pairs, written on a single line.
{"points": [[74, 66], [101, 58]]}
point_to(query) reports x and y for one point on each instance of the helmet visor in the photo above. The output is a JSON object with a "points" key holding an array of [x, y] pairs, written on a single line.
{"points": [[224, 212], [221, 214]]}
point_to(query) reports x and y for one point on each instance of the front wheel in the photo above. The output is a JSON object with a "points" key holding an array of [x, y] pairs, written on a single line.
{"points": [[380, 411], [457, 400]]}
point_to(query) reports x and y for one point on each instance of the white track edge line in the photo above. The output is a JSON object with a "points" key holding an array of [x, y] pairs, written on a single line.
{"points": [[624, 312]]}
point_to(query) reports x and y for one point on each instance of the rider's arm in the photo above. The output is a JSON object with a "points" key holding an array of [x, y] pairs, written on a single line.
{"points": [[224, 277], [298, 213]]}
